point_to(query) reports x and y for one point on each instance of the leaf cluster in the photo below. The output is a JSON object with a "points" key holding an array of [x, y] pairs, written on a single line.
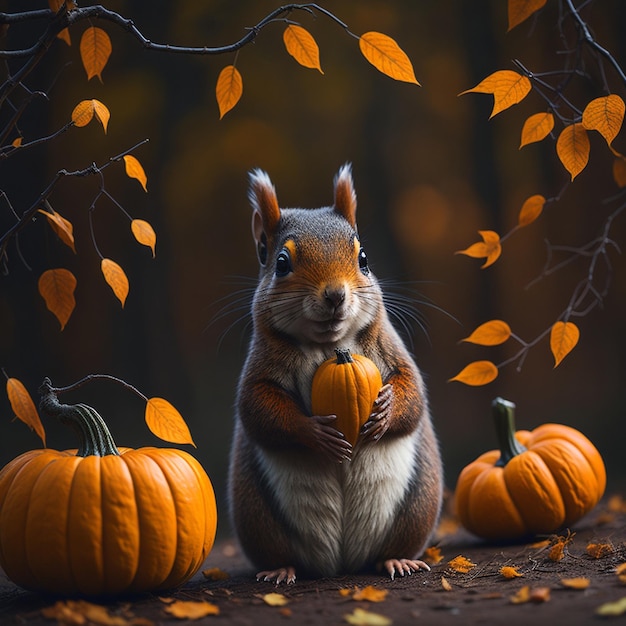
{"points": [[568, 125]]}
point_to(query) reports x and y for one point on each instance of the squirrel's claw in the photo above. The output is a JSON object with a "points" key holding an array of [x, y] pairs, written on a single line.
{"points": [[282, 574], [329, 440], [378, 422], [404, 566]]}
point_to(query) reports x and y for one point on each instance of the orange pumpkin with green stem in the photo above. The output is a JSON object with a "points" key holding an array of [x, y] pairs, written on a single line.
{"points": [[103, 520], [346, 386], [538, 482]]}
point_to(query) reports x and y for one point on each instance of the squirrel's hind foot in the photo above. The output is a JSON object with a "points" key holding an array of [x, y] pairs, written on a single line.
{"points": [[282, 574], [403, 566]]}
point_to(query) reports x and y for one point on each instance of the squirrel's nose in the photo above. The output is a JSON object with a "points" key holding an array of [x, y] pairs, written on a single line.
{"points": [[335, 295]]}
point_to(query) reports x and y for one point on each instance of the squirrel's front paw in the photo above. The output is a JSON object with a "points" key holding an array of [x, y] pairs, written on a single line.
{"points": [[378, 422], [329, 440]]}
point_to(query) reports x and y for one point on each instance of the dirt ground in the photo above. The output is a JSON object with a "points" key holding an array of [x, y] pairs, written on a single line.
{"points": [[592, 550]]}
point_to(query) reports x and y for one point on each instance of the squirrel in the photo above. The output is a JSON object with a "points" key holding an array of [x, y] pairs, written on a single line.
{"points": [[301, 498]]}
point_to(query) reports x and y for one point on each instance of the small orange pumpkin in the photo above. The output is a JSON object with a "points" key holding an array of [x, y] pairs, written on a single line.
{"points": [[346, 386], [102, 521], [538, 482]]}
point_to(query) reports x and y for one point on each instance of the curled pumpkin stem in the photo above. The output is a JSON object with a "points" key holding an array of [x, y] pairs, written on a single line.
{"points": [[93, 434], [503, 412]]}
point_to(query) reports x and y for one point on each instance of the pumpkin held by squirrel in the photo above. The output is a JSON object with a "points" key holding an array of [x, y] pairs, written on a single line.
{"points": [[302, 497]]}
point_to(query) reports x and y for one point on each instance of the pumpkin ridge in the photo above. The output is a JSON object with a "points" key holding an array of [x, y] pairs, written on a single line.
{"points": [[169, 464], [573, 482], [151, 515], [39, 535], [537, 496], [111, 573], [24, 493]]}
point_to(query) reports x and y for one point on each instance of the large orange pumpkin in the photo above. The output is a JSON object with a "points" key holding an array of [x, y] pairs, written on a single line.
{"points": [[538, 482], [102, 521], [346, 386]]}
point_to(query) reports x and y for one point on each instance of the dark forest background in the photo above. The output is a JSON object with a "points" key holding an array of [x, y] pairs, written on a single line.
{"points": [[430, 170]]}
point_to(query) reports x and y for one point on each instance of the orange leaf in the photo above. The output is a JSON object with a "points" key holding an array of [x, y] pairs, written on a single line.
{"points": [[576, 583], [95, 50], [144, 234], [116, 279], [531, 210], [86, 110], [522, 596], [508, 88], [24, 407], [215, 573], [490, 248], [166, 422], [599, 550], [477, 373], [433, 555], [606, 115], [17, 142], [572, 148], [619, 171], [536, 128], [62, 227], [361, 617], [563, 338], [302, 47], [135, 170], [461, 564], [520, 10], [57, 289], [491, 333], [55, 5], [387, 57], [510, 572], [370, 594], [557, 552], [540, 594], [275, 599], [228, 89], [189, 609]]}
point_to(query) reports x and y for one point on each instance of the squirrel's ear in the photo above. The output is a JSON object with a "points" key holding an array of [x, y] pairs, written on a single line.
{"points": [[265, 210], [345, 196]]}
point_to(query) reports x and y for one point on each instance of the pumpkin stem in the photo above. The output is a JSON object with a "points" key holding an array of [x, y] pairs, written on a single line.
{"points": [[94, 436], [343, 356], [503, 413]]}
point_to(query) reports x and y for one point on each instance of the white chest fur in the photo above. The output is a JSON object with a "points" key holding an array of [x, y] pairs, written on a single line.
{"points": [[340, 514]]}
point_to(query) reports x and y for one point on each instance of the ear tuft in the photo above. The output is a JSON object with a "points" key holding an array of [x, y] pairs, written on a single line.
{"points": [[345, 196], [265, 210]]}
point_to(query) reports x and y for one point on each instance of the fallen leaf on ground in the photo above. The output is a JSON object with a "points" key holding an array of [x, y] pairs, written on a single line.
{"points": [[540, 594], [275, 599], [576, 583], [188, 609], [599, 550], [612, 609], [433, 555], [526, 594], [522, 595], [360, 617], [215, 573], [371, 594], [446, 584], [620, 570], [77, 612], [510, 572], [461, 564]]}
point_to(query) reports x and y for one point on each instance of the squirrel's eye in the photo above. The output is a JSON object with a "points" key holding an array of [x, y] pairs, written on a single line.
{"points": [[363, 266], [283, 263]]}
